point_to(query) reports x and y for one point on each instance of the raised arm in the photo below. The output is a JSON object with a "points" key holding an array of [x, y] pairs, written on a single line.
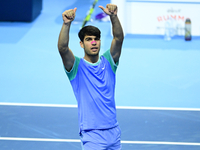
{"points": [[118, 35], [63, 41]]}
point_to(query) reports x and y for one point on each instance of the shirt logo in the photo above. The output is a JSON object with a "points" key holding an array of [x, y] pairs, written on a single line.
{"points": [[103, 67]]}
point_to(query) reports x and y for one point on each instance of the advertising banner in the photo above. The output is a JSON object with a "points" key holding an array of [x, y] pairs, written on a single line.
{"points": [[155, 17]]}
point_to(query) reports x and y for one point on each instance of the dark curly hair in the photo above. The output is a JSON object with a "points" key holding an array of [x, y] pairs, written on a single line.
{"points": [[89, 30]]}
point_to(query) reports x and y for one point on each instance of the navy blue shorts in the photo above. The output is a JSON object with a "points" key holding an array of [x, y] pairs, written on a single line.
{"points": [[107, 139]]}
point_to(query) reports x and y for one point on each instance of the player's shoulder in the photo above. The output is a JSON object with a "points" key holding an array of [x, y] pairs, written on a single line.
{"points": [[107, 55]]}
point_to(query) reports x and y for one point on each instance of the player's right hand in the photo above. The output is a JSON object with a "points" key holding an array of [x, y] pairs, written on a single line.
{"points": [[69, 15]]}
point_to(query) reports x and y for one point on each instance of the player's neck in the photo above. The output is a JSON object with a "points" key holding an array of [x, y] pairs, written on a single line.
{"points": [[91, 59]]}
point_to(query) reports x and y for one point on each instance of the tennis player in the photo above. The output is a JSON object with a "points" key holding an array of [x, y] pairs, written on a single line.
{"points": [[93, 81]]}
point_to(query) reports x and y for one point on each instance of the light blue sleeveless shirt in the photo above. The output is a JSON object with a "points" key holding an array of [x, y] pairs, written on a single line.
{"points": [[94, 89]]}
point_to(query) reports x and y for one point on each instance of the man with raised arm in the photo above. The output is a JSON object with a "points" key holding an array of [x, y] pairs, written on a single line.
{"points": [[93, 81]]}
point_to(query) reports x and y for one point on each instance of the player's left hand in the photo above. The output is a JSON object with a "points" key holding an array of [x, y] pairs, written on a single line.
{"points": [[110, 9]]}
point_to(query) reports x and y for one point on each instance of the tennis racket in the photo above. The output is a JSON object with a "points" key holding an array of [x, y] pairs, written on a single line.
{"points": [[89, 14]]}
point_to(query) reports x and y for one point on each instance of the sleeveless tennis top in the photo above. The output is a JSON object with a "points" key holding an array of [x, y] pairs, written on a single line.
{"points": [[94, 89]]}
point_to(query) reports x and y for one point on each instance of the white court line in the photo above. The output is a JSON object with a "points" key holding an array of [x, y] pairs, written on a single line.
{"points": [[38, 139], [118, 107], [159, 108], [77, 141], [160, 143], [38, 105]]}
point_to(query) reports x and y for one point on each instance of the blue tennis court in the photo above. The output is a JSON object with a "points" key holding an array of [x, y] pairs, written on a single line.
{"points": [[157, 87]]}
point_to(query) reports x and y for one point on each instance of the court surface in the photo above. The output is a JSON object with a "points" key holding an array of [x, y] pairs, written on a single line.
{"points": [[157, 88]]}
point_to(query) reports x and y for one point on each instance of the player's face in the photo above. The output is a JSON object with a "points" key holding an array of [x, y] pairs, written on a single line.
{"points": [[91, 45]]}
